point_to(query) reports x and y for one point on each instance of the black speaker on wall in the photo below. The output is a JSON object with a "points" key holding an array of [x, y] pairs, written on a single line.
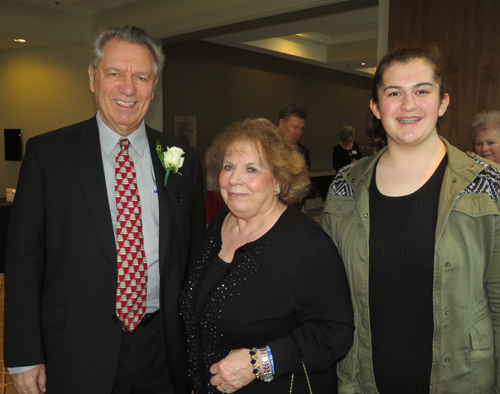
{"points": [[13, 144]]}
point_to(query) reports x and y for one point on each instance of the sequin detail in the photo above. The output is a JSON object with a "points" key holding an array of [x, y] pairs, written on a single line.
{"points": [[204, 339]]}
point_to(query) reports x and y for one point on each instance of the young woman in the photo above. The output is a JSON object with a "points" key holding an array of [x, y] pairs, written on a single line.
{"points": [[418, 228]]}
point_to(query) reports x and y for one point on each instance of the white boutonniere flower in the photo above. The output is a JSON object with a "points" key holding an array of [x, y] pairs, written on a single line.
{"points": [[171, 159]]}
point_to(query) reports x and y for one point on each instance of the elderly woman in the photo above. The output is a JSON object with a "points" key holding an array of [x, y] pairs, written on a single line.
{"points": [[418, 228], [485, 132], [267, 299], [347, 151]]}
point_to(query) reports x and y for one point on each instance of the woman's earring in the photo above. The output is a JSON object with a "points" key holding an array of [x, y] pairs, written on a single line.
{"points": [[277, 190]]}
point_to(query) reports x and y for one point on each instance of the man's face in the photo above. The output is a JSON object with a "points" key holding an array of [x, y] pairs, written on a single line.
{"points": [[123, 84], [292, 127]]}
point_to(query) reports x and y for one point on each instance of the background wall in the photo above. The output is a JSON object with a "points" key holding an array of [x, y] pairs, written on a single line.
{"points": [[221, 85], [467, 35], [42, 89]]}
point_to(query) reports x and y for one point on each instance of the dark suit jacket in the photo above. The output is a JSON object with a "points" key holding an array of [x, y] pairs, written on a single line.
{"points": [[307, 155], [61, 266]]}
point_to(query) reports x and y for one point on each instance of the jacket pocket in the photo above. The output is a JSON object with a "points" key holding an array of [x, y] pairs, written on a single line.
{"points": [[340, 206], [53, 315], [348, 368], [482, 354], [476, 205], [481, 332]]}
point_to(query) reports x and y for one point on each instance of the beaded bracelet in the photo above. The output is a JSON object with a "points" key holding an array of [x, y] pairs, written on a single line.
{"points": [[254, 362]]}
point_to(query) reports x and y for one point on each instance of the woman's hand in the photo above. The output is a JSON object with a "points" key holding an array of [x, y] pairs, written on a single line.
{"points": [[234, 371]]}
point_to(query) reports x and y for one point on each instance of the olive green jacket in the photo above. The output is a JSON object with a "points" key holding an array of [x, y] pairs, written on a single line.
{"points": [[466, 274]]}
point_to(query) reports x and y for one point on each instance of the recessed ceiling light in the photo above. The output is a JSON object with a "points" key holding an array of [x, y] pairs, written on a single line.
{"points": [[363, 64], [19, 40]]}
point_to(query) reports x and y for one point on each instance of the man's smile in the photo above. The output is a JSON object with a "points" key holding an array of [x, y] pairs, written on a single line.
{"points": [[126, 103]]}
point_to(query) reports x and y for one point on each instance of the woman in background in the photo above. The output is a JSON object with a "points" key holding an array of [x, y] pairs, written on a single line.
{"points": [[418, 228], [267, 297], [485, 132], [347, 151]]}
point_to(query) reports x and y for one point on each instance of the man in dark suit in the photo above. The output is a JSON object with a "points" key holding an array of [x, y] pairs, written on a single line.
{"points": [[66, 327], [292, 120]]}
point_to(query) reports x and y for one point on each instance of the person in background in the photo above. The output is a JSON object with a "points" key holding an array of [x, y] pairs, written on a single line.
{"points": [[347, 151], [485, 132], [99, 241], [418, 228], [267, 297], [292, 120]]}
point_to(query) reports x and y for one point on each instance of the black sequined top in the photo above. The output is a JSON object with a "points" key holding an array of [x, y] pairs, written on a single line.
{"points": [[287, 290]]}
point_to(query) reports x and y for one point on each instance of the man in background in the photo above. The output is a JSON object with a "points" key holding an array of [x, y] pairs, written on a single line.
{"points": [[292, 120], [100, 239]]}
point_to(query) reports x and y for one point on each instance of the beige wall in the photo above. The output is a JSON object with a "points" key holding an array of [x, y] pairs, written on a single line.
{"points": [[45, 89], [42, 89]]}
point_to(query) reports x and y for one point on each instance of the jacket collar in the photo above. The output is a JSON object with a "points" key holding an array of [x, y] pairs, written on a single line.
{"points": [[166, 197], [461, 171], [465, 166], [362, 170], [91, 173]]}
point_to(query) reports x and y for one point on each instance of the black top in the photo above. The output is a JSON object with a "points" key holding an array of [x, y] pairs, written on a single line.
{"points": [[342, 157], [288, 290], [402, 236], [213, 275]]}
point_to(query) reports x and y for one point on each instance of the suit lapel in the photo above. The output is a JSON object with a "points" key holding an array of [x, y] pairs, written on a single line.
{"points": [[91, 173], [165, 199]]}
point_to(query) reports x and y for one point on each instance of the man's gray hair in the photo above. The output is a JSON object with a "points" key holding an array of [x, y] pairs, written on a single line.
{"points": [[131, 34]]}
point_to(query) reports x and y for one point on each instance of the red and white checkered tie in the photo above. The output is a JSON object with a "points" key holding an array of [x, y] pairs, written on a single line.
{"points": [[132, 265]]}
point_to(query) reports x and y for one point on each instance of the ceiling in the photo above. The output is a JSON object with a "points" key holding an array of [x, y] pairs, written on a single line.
{"points": [[344, 41], [84, 7]]}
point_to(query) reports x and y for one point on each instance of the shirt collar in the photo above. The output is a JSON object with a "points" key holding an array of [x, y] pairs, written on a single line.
{"points": [[109, 138]]}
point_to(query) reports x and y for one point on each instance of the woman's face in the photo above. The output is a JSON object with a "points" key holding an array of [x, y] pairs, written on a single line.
{"points": [[487, 144], [246, 184], [409, 103]]}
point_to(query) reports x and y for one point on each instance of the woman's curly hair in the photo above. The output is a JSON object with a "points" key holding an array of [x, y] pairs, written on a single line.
{"points": [[276, 151]]}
